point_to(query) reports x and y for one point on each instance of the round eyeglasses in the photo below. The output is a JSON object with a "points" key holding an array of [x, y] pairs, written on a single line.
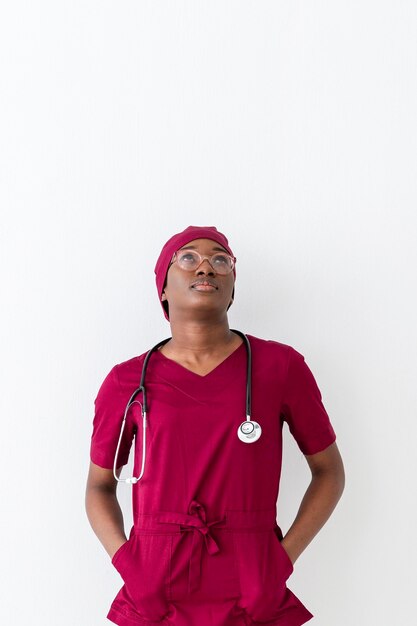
{"points": [[189, 260]]}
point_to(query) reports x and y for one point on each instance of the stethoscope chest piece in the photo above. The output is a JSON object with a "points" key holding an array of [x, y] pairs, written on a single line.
{"points": [[249, 431]]}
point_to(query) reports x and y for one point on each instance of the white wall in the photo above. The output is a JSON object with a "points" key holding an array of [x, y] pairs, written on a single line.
{"points": [[291, 127]]}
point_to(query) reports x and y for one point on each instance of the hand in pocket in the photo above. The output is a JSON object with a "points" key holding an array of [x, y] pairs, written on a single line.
{"points": [[119, 549]]}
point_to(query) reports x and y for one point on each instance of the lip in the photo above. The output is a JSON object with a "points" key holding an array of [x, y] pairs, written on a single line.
{"points": [[204, 285], [204, 288]]}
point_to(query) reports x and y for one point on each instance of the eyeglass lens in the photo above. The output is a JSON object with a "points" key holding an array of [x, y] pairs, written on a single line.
{"points": [[190, 260]]}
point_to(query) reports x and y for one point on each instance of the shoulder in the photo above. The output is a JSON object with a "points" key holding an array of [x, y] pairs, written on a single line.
{"points": [[128, 371], [130, 363], [272, 357], [272, 348]]}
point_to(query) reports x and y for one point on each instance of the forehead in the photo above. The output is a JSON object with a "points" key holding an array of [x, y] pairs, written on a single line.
{"points": [[203, 244]]}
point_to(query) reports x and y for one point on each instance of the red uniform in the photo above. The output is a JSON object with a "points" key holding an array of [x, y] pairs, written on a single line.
{"points": [[204, 548]]}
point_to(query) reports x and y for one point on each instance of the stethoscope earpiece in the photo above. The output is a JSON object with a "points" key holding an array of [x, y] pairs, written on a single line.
{"points": [[248, 431]]}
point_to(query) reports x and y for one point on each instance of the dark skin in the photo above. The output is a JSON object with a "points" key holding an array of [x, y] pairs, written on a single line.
{"points": [[200, 332], [201, 339]]}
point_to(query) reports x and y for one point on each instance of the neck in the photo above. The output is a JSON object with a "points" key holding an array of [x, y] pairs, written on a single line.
{"points": [[199, 338]]}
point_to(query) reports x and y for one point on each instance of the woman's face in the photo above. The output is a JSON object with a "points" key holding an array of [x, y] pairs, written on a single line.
{"points": [[186, 299]]}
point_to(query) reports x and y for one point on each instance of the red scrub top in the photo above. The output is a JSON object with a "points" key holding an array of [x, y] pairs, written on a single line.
{"points": [[205, 546]]}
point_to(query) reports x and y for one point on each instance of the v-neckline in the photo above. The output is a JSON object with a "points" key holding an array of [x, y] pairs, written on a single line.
{"points": [[215, 370]]}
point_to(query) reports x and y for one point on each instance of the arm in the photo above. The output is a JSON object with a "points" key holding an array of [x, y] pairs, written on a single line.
{"points": [[319, 501], [103, 509]]}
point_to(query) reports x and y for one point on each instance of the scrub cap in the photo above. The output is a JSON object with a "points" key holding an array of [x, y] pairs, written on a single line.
{"points": [[177, 241]]}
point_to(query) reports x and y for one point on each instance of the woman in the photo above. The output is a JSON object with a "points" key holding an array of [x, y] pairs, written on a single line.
{"points": [[205, 548]]}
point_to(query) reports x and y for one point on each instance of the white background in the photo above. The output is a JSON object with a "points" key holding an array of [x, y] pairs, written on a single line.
{"points": [[291, 127]]}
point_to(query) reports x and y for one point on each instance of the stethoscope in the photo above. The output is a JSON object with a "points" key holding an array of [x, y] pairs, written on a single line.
{"points": [[248, 431]]}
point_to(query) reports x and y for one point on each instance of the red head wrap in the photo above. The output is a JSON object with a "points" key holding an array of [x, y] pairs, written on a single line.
{"points": [[179, 240]]}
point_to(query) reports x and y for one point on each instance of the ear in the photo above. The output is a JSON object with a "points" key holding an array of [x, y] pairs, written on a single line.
{"points": [[232, 296]]}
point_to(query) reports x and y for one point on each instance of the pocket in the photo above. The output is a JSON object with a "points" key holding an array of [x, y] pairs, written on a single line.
{"points": [[263, 568], [118, 552], [143, 562], [288, 566]]}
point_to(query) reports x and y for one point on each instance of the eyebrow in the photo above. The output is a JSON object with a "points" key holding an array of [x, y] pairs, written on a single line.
{"points": [[194, 247]]}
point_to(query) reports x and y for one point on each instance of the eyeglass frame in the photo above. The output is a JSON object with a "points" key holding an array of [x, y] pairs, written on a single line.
{"points": [[202, 258]]}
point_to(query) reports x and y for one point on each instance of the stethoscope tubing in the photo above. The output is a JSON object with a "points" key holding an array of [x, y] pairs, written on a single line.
{"points": [[144, 405]]}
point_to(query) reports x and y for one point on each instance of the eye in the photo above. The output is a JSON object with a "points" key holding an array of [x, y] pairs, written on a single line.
{"points": [[187, 257], [220, 259]]}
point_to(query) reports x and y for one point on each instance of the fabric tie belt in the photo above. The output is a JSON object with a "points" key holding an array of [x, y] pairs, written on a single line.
{"points": [[196, 520]]}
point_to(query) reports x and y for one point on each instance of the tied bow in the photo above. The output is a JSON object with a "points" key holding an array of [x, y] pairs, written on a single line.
{"points": [[195, 520]]}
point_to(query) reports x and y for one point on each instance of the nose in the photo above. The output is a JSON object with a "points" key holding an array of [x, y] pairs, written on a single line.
{"points": [[205, 265]]}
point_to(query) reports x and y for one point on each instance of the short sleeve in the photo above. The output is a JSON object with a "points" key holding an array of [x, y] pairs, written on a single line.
{"points": [[302, 407], [109, 410]]}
